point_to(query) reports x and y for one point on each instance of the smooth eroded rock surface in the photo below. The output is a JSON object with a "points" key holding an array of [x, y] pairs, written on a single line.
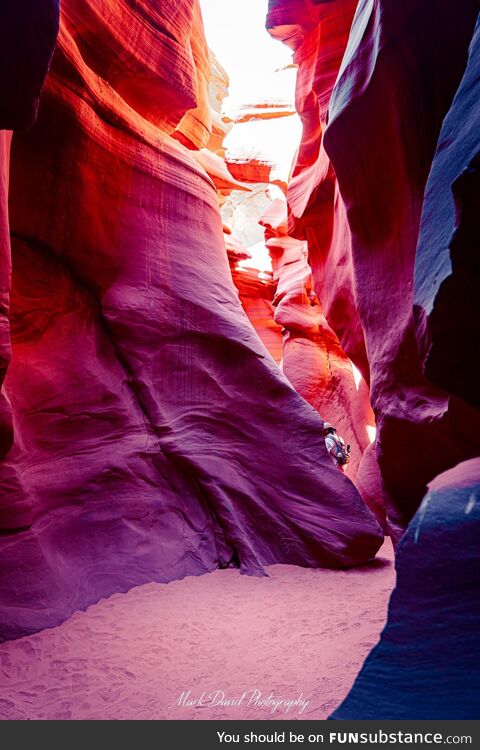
{"points": [[427, 664], [356, 196], [447, 266], [28, 32], [149, 420], [313, 359]]}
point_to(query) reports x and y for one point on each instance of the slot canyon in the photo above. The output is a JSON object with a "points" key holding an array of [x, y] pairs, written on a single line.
{"points": [[201, 265]]}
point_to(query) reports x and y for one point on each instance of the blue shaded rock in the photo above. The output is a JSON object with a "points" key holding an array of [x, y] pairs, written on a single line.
{"points": [[447, 267], [427, 663]]}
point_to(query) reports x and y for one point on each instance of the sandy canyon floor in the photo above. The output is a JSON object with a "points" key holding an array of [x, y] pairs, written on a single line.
{"points": [[299, 635]]}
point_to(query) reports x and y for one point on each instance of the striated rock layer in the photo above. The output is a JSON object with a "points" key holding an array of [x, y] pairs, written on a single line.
{"points": [[313, 359], [256, 296], [356, 196], [6, 433], [387, 196], [27, 36], [154, 435]]}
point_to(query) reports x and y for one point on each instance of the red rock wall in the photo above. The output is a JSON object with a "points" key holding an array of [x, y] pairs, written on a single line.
{"points": [[314, 361], [142, 399], [27, 35], [318, 33], [6, 433], [356, 196], [256, 295]]}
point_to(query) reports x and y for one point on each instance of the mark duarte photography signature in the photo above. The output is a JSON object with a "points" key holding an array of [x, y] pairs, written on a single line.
{"points": [[249, 699]]}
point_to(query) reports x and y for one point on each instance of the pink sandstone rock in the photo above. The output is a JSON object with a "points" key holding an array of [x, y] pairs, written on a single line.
{"points": [[362, 231], [313, 359], [6, 433], [256, 293], [255, 285], [419, 426], [249, 169], [150, 421], [240, 214], [216, 168], [236, 250], [368, 482], [318, 33], [218, 90], [427, 663], [195, 127]]}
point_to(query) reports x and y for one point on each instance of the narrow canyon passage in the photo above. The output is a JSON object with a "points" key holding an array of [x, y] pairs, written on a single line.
{"points": [[242, 642], [238, 265]]}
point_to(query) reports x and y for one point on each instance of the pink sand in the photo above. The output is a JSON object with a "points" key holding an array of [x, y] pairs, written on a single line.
{"points": [[300, 631]]}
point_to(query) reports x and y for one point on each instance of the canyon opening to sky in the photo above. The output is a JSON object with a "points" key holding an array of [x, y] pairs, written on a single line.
{"points": [[226, 228]]}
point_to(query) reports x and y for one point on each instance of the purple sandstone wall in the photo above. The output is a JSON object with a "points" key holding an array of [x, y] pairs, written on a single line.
{"points": [[154, 436]]}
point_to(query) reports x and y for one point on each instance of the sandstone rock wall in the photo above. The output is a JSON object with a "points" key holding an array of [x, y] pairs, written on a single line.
{"points": [[447, 270], [313, 359], [427, 663], [6, 433], [154, 436], [372, 109], [23, 66]]}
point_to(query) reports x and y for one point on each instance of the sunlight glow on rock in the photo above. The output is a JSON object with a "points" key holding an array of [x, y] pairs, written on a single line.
{"points": [[260, 72], [357, 376], [372, 432]]}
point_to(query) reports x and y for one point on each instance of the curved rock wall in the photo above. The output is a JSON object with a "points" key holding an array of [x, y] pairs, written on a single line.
{"points": [[142, 399], [318, 33], [393, 248], [6, 432], [256, 295], [356, 196], [427, 663], [447, 270], [27, 37], [314, 361]]}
